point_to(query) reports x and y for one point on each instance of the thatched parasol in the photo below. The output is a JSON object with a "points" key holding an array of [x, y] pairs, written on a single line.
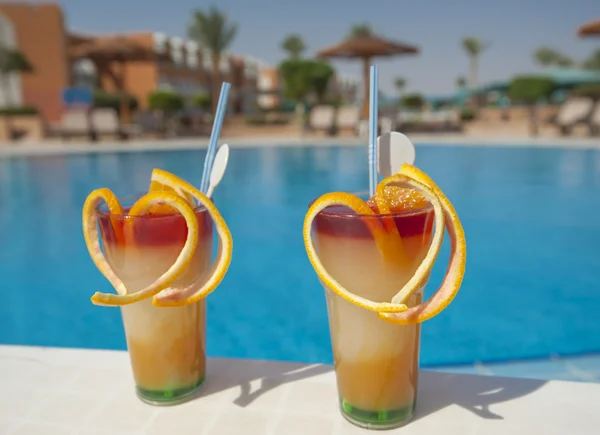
{"points": [[366, 47], [114, 49], [590, 29]]}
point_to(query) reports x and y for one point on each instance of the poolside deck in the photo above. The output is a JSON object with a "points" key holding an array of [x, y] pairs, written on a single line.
{"points": [[54, 391], [79, 147]]}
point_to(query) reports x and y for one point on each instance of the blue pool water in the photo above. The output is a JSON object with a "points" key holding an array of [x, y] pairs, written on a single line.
{"points": [[530, 215]]}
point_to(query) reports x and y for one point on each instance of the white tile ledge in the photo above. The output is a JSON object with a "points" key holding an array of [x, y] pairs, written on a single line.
{"points": [[75, 391]]}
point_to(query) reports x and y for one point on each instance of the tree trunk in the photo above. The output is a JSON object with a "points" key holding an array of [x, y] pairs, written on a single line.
{"points": [[366, 73], [215, 88], [533, 120], [473, 71], [301, 117], [124, 101]]}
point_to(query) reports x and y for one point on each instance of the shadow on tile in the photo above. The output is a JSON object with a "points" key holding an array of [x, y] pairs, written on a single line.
{"points": [[439, 390], [272, 374]]}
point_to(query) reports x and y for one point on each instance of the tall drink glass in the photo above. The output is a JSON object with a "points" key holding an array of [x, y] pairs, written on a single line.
{"points": [[376, 362], [167, 345]]}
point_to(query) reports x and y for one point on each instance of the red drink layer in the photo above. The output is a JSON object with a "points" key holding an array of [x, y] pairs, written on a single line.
{"points": [[154, 229]]}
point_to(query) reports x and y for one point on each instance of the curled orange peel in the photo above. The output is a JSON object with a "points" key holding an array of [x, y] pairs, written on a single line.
{"points": [[140, 207], [456, 267], [115, 210], [211, 279], [379, 233], [420, 275], [396, 311], [157, 184]]}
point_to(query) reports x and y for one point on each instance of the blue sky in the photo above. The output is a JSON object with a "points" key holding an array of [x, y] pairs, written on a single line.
{"points": [[515, 28]]}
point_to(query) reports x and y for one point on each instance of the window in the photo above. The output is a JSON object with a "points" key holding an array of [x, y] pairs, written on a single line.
{"points": [[177, 52], [191, 49]]}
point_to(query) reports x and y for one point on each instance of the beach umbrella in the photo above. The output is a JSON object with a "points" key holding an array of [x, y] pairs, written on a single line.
{"points": [[366, 47], [590, 29], [104, 51]]}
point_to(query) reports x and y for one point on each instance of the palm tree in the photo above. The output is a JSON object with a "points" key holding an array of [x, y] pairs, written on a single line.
{"points": [[546, 56], [212, 30], [11, 62], [593, 61], [293, 45], [400, 84], [461, 82], [474, 47]]}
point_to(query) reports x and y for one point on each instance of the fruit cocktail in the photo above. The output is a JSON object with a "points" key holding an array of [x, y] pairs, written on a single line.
{"points": [[374, 258], [157, 255]]}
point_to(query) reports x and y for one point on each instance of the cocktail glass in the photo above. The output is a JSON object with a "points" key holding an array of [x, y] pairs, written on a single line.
{"points": [[376, 362], [167, 345]]}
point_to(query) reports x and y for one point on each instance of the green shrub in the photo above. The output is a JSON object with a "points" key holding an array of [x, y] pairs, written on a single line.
{"points": [[201, 101], [467, 115], [21, 110], [103, 99], [413, 101], [167, 101], [530, 89]]}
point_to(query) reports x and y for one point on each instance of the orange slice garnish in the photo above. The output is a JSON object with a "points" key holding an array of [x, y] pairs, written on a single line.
{"points": [[161, 183], [379, 233], [456, 267], [123, 297], [199, 290]]}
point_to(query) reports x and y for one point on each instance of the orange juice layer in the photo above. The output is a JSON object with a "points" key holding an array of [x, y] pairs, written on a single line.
{"points": [[166, 345], [376, 361]]}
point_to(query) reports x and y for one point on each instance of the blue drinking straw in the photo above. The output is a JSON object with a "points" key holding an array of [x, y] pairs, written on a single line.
{"points": [[214, 136], [373, 158]]}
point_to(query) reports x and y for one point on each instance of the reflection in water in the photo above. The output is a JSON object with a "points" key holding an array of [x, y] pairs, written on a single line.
{"points": [[596, 167], [571, 170], [322, 159], [270, 172], [348, 163]]}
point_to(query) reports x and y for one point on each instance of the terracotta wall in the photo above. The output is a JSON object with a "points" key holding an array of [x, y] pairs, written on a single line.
{"points": [[40, 31]]}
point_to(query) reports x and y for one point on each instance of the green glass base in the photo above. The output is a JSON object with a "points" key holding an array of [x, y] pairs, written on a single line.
{"points": [[168, 397], [367, 419]]}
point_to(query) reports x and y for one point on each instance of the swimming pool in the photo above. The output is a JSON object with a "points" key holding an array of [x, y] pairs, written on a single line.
{"points": [[530, 215]]}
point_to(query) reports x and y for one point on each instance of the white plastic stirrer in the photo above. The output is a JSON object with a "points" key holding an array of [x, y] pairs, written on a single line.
{"points": [[218, 169], [395, 149]]}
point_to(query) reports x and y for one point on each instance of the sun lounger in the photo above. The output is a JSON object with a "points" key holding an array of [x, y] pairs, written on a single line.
{"points": [[450, 119], [149, 123], [347, 118], [74, 122], [322, 118], [595, 120], [574, 111], [106, 122]]}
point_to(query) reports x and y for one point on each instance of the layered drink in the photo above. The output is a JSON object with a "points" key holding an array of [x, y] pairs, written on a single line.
{"points": [[157, 254], [166, 344], [376, 362]]}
